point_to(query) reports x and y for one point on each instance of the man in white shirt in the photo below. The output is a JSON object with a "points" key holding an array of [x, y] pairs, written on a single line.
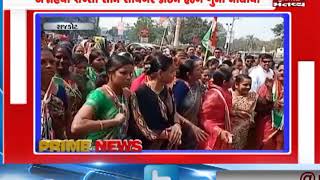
{"points": [[261, 72]]}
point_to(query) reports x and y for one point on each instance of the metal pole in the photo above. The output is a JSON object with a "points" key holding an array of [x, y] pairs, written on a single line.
{"points": [[231, 31]]}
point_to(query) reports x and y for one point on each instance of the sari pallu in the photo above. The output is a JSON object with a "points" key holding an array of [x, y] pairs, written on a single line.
{"points": [[215, 117], [274, 134], [137, 82], [152, 114], [189, 107], [72, 99], [263, 119], [53, 124], [107, 105]]}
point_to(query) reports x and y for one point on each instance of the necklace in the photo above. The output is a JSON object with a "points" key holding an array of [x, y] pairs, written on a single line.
{"points": [[120, 104]]}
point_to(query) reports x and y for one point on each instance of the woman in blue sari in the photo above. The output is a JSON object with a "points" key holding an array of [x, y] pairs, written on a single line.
{"points": [[188, 97]]}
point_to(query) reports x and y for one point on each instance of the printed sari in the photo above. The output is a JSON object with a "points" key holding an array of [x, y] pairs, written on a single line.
{"points": [[53, 125], [152, 114], [215, 117], [241, 126], [71, 97], [188, 102]]}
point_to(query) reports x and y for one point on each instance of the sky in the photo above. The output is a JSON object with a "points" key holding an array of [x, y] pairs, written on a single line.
{"points": [[260, 27]]}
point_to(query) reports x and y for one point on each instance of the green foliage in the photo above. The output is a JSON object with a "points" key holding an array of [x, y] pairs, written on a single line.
{"points": [[278, 31], [155, 31]]}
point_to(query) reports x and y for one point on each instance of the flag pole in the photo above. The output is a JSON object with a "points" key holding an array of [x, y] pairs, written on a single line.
{"points": [[164, 33], [205, 56]]}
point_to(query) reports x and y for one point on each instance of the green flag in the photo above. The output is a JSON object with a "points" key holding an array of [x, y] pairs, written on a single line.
{"points": [[206, 42]]}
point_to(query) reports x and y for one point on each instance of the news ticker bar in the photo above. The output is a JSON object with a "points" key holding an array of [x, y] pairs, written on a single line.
{"points": [[268, 175]]}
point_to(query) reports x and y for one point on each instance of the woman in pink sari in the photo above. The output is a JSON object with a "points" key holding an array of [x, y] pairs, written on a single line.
{"points": [[215, 112]]}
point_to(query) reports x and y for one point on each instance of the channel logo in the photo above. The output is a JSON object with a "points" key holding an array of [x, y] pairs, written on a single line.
{"points": [[289, 3], [161, 172]]}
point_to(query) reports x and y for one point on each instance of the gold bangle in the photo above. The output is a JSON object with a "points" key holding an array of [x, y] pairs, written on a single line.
{"points": [[101, 125]]}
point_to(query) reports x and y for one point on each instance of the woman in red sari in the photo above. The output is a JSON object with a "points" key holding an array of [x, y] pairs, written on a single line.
{"points": [[269, 119], [215, 112]]}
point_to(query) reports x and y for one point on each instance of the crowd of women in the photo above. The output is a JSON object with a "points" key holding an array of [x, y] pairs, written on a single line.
{"points": [[173, 99]]}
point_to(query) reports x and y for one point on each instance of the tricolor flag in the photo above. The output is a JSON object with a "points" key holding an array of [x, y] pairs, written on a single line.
{"points": [[209, 40]]}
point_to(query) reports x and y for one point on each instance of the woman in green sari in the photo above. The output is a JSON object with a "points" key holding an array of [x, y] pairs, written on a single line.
{"points": [[105, 113], [97, 66]]}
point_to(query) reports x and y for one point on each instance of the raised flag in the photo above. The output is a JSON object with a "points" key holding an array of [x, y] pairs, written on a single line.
{"points": [[209, 40]]}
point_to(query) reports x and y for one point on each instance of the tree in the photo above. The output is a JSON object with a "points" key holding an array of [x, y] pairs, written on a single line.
{"points": [[278, 31], [193, 27], [155, 31], [251, 42]]}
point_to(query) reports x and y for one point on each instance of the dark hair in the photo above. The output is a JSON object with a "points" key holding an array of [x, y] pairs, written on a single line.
{"points": [[218, 78], [215, 61], [95, 53], [113, 64], [66, 44], [127, 55], [59, 46], [189, 47], [237, 60], [280, 64], [137, 58], [116, 62], [223, 74], [65, 47], [248, 57], [173, 52], [101, 79], [227, 62], [265, 56], [157, 62], [217, 49], [211, 61], [186, 68], [79, 58], [241, 77], [226, 71]]}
